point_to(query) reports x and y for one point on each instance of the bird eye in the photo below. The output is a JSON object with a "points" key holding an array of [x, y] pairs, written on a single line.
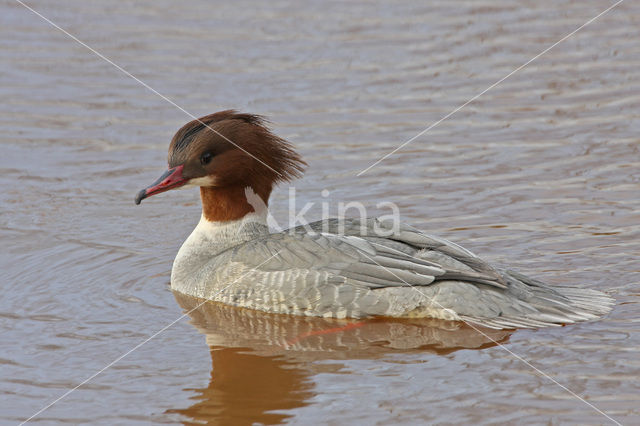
{"points": [[206, 158]]}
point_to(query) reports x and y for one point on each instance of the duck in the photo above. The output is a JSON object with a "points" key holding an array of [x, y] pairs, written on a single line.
{"points": [[335, 267]]}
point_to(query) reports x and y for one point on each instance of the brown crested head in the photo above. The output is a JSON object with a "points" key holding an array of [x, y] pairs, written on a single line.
{"points": [[224, 153], [230, 146]]}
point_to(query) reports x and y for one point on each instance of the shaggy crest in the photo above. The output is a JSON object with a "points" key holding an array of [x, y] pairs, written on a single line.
{"points": [[274, 157]]}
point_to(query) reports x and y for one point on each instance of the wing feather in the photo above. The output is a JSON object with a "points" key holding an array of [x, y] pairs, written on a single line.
{"points": [[363, 271]]}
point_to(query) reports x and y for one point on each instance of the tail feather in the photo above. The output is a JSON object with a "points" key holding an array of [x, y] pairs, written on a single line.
{"points": [[553, 306]]}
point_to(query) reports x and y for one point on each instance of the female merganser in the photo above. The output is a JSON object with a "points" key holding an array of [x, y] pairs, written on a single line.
{"points": [[335, 267]]}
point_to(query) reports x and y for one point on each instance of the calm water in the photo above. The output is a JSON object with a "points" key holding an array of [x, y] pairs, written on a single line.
{"points": [[542, 173]]}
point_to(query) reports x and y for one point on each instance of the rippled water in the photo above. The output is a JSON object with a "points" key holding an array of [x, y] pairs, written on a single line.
{"points": [[541, 173]]}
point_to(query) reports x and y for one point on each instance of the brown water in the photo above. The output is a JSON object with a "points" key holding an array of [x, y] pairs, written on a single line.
{"points": [[542, 173]]}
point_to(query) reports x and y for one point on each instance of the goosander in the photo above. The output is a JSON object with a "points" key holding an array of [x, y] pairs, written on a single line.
{"points": [[340, 268]]}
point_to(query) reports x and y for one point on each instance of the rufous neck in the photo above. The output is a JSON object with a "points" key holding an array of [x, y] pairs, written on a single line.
{"points": [[231, 203]]}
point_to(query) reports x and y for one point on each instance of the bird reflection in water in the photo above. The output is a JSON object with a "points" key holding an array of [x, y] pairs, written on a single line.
{"points": [[262, 364]]}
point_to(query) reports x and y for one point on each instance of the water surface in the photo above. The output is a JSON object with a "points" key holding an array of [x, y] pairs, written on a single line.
{"points": [[542, 173]]}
